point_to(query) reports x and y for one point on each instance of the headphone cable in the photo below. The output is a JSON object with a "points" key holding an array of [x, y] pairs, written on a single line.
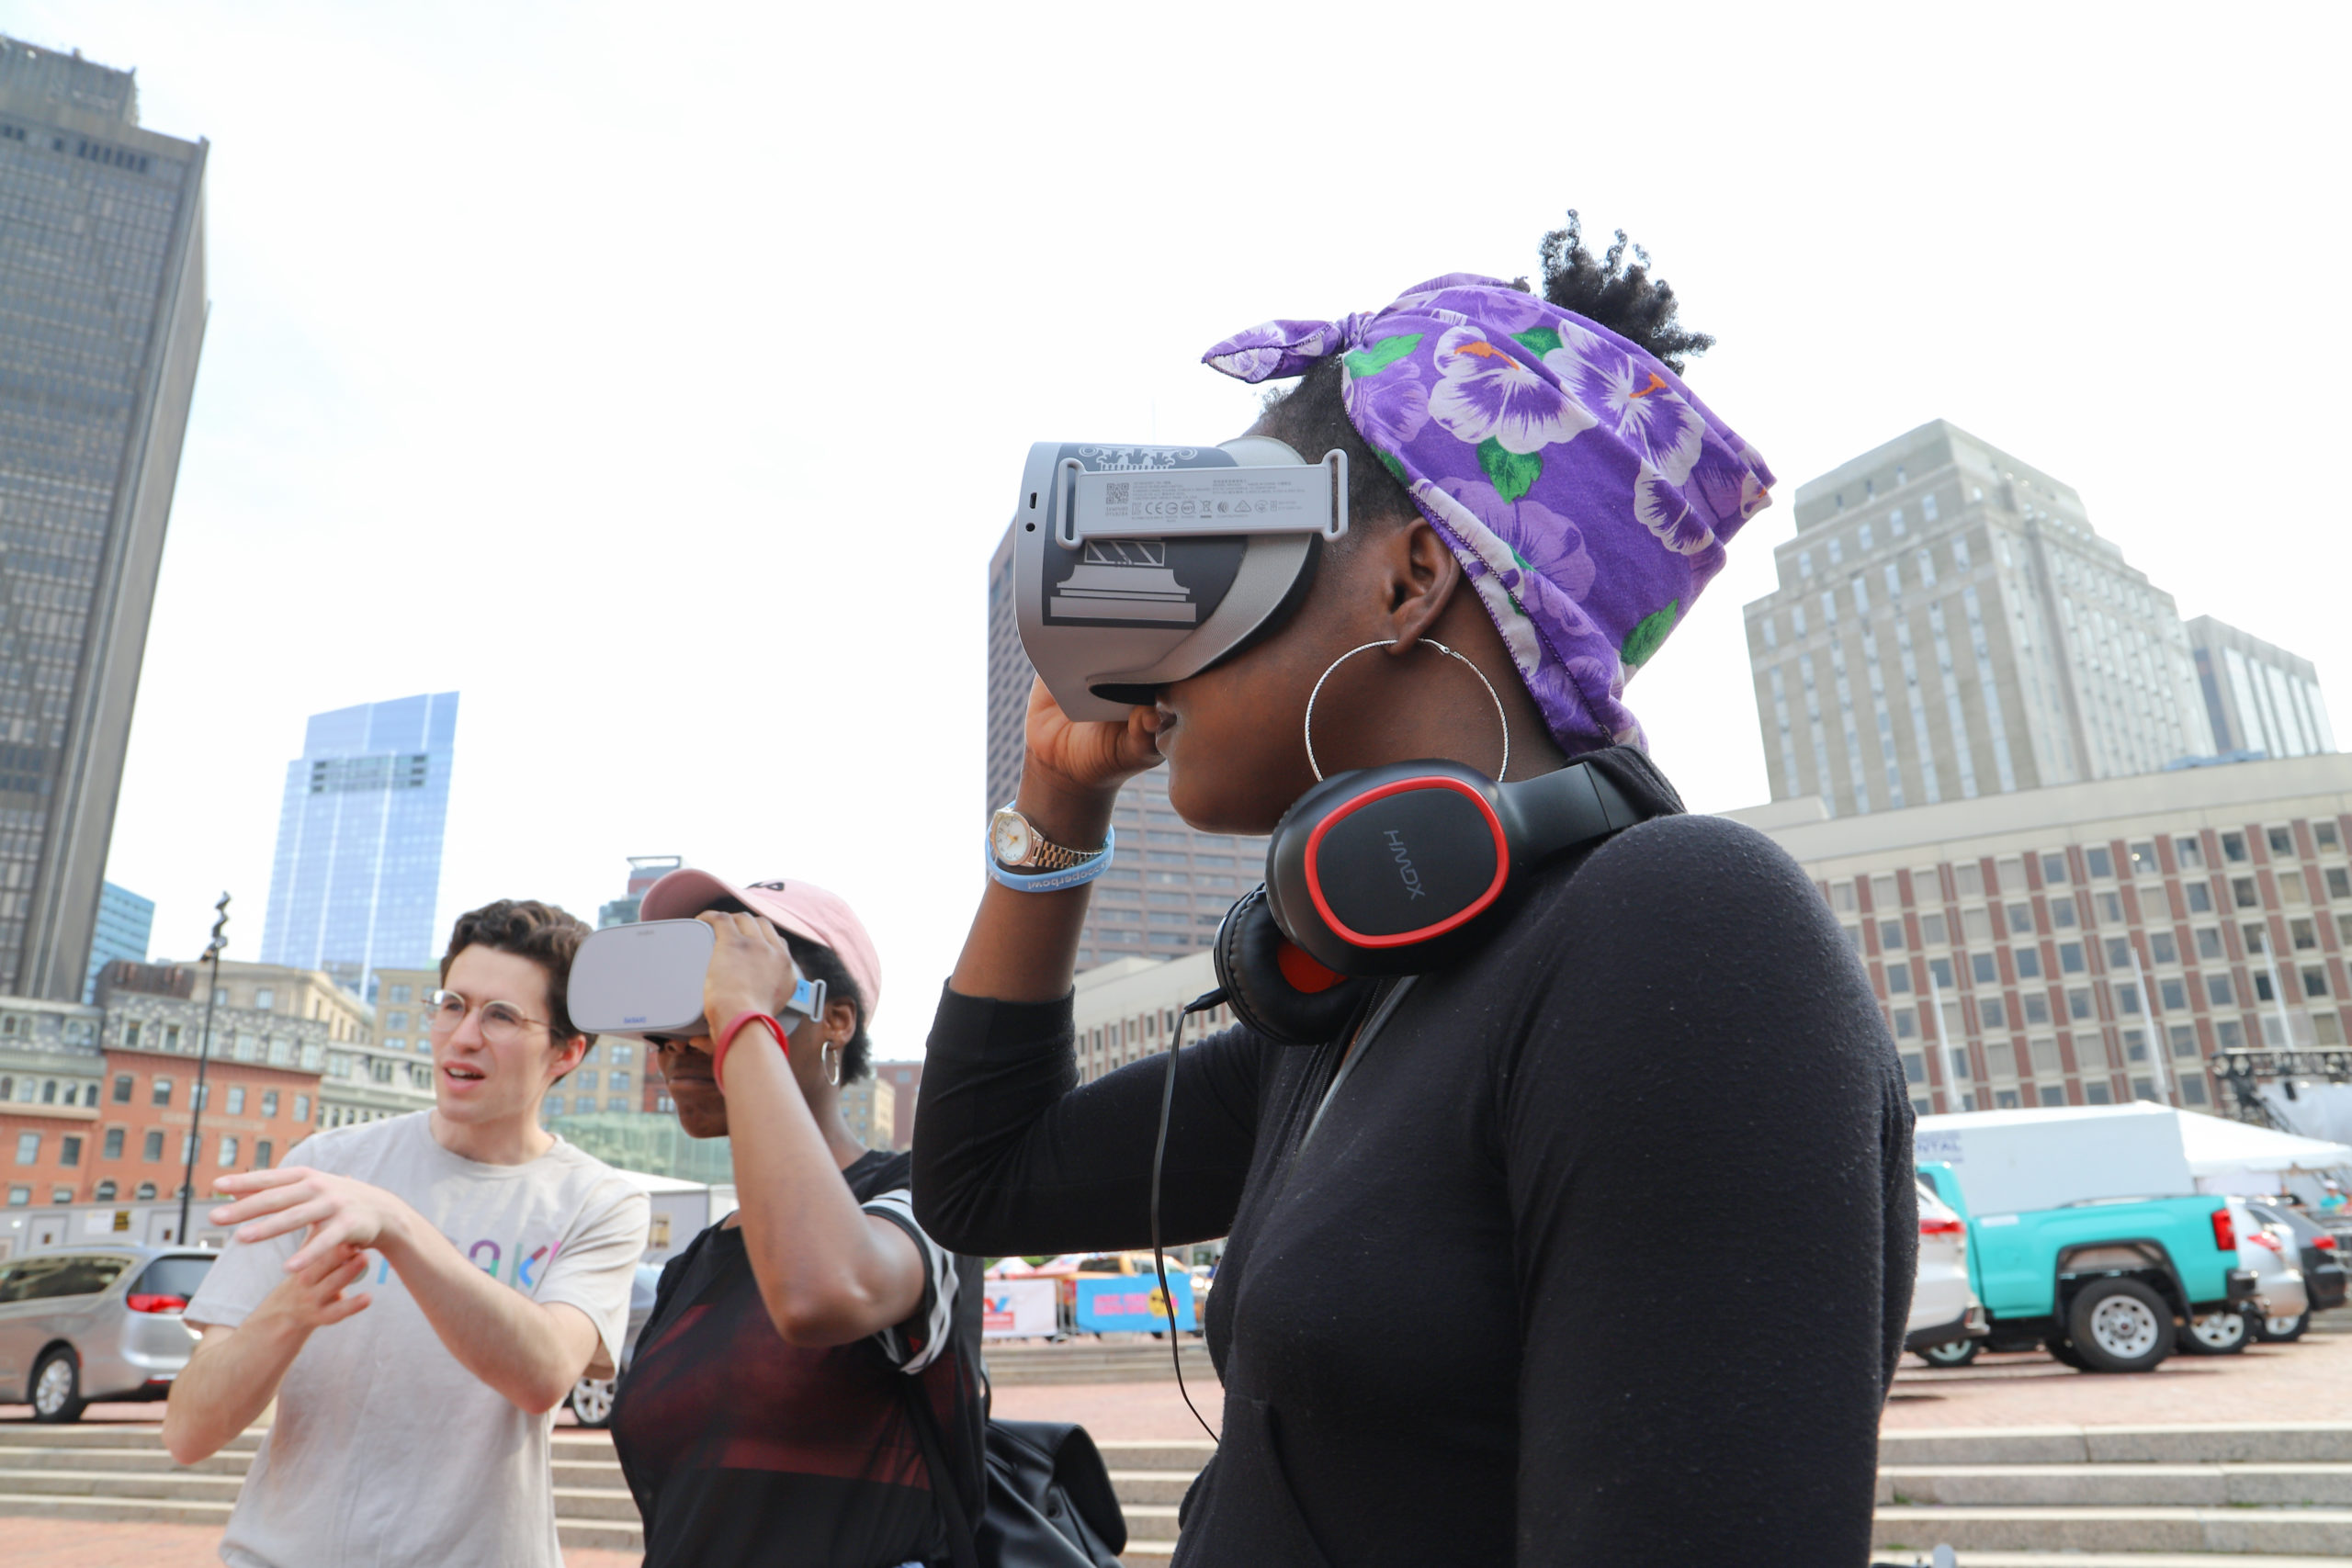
{"points": [[1201, 1003]]}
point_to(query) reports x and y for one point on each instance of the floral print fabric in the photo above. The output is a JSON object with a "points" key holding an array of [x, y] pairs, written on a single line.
{"points": [[1587, 491]]}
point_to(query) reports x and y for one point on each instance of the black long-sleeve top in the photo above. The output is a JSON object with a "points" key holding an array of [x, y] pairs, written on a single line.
{"points": [[1600, 1256]]}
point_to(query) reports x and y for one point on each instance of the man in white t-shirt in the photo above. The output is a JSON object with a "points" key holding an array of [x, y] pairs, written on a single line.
{"points": [[418, 1294]]}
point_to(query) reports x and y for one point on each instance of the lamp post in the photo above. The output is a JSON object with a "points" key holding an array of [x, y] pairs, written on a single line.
{"points": [[203, 1056]]}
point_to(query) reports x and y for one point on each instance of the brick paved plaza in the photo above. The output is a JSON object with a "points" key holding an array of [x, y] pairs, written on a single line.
{"points": [[2310, 1381]]}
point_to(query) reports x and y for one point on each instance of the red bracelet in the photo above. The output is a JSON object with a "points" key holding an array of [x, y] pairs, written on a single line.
{"points": [[727, 1038]]}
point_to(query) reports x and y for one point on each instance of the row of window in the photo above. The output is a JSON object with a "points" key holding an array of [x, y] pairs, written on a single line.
{"points": [[105, 1192], [150, 1151], [2099, 860]]}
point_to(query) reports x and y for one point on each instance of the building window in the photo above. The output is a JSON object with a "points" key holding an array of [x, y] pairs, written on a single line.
{"points": [[2100, 860], [69, 1150], [2304, 936], [2174, 993], [151, 1147], [236, 1100], [130, 1031], [2315, 982], [2037, 1007], [161, 1092], [122, 1088], [146, 1190], [1981, 966], [2144, 859], [1989, 1012], [105, 1192], [262, 1152], [2208, 942], [2282, 843], [227, 1152], [2053, 868], [302, 1108], [2243, 891], [2029, 963], [113, 1146], [269, 1102], [1890, 936], [2234, 847], [2162, 948], [2218, 991], [2189, 853], [2192, 1090], [587, 1079], [380, 1069], [2070, 957], [1940, 968], [265, 999], [2200, 897], [1931, 930], [29, 1148], [2078, 1002]]}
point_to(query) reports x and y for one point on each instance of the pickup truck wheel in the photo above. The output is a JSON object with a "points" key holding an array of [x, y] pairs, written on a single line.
{"points": [[2119, 1326], [2281, 1330], [2219, 1333], [1958, 1353]]}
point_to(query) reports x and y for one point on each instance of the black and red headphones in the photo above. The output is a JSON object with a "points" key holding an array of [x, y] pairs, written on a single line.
{"points": [[1394, 870]]}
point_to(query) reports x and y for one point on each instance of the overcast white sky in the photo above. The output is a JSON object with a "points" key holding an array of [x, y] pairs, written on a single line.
{"points": [[658, 376]]}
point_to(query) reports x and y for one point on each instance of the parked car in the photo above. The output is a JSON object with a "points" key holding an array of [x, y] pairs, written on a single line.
{"points": [[2321, 1254], [90, 1322], [1946, 1320], [592, 1398], [2100, 1284], [2279, 1289]]}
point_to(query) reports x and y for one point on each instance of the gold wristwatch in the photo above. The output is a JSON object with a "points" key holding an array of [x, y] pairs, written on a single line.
{"points": [[1019, 847]]}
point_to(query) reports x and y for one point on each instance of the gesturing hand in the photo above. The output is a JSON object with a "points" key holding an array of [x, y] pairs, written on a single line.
{"points": [[313, 1298], [341, 1213]]}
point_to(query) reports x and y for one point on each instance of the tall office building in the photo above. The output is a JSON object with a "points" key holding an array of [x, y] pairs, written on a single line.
{"points": [[102, 272], [126, 922], [1949, 626], [359, 867], [1169, 887], [2258, 696], [644, 871]]}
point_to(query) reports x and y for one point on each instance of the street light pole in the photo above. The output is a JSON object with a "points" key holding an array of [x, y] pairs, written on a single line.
{"points": [[203, 1056]]}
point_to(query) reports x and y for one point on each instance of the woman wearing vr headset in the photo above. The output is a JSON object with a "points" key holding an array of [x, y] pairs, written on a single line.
{"points": [[808, 1355], [1479, 1302]]}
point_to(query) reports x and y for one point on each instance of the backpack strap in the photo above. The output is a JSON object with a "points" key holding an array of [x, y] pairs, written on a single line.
{"points": [[962, 1550]]}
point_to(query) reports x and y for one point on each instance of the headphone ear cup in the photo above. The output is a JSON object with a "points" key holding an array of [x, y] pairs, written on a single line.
{"points": [[1272, 984]]}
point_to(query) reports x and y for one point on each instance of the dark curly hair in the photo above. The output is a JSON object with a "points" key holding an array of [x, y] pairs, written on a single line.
{"points": [[818, 962], [546, 935], [1311, 416]]}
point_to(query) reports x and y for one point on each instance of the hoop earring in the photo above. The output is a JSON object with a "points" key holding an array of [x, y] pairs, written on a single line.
{"points": [[829, 1057], [1501, 718]]}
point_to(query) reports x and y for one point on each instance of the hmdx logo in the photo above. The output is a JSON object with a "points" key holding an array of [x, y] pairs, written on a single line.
{"points": [[1405, 864]]}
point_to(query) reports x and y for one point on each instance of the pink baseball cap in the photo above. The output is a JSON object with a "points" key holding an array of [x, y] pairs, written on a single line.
{"points": [[801, 908]]}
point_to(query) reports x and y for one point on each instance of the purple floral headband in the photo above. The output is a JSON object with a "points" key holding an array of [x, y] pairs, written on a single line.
{"points": [[1587, 492]]}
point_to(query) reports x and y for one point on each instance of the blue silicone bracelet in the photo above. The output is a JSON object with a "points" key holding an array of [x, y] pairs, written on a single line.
{"points": [[1077, 875]]}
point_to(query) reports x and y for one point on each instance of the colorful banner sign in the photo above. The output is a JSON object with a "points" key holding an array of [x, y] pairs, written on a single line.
{"points": [[1131, 1302], [1017, 1309]]}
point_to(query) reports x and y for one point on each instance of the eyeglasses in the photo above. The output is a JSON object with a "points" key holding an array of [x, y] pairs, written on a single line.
{"points": [[502, 1022]]}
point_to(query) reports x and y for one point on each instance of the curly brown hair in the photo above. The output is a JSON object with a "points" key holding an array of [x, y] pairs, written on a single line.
{"points": [[543, 933]]}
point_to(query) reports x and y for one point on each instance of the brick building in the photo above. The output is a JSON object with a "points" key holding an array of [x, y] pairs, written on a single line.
{"points": [[2093, 943]]}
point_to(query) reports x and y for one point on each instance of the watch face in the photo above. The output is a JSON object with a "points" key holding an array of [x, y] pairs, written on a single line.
{"points": [[1012, 839]]}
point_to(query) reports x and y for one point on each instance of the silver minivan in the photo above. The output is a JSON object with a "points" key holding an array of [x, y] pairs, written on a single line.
{"points": [[89, 1323]]}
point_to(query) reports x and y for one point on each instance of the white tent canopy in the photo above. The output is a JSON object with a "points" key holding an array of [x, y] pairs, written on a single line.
{"points": [[2217, 1147]]}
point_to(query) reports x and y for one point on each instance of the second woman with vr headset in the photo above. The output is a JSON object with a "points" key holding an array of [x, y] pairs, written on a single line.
{"points": [[810, 1354], [1460, 1317]]}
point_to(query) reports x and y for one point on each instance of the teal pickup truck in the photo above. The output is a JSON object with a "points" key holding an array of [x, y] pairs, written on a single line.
{"points": [[2102, 1284]]}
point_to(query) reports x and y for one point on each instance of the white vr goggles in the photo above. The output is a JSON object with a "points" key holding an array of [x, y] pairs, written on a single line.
{"points": [[647, 980], [1136, 567]]}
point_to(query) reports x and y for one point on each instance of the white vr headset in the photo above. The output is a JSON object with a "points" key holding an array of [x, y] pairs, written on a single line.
{"points": [[647, 979], [1136, 567]]}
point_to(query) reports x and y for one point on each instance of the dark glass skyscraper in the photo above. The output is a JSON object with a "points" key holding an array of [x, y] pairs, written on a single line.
{"points": [[358, 864], [101, 319]]}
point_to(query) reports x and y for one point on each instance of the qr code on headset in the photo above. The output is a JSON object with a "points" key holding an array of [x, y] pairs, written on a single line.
{"points": [[1114, 494]]}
